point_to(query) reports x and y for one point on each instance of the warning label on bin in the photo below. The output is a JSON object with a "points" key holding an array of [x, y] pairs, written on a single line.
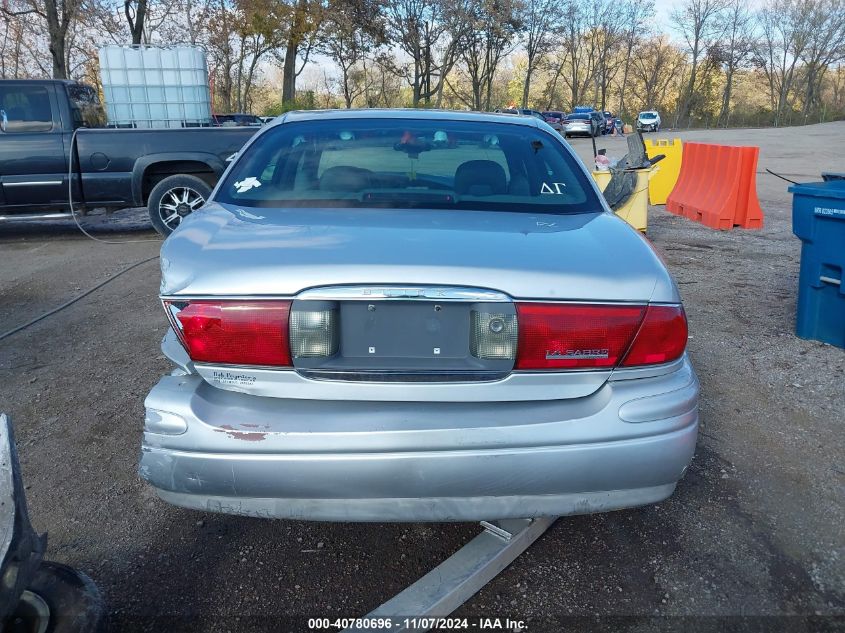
{"points": [[829, 211]]}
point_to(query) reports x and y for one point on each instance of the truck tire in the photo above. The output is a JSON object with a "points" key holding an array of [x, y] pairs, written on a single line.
{"points": [[174, 198], [59, 600]]}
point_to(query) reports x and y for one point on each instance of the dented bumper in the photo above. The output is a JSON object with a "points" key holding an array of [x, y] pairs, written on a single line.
{"points": [[625, 445]]}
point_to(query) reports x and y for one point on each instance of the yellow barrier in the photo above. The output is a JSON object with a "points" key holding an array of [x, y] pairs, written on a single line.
{"points": [[662, 184], [635, 209]]}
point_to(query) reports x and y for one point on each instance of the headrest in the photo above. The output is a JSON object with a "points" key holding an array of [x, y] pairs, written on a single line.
{"points": [[345, 179], [480, 178]]}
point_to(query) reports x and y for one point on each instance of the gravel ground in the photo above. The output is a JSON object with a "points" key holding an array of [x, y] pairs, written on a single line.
{"points": [[752, 539]]}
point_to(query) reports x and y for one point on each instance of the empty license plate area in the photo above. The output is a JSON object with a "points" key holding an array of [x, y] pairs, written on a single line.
{"points": [[405, 330], [407, 337]]}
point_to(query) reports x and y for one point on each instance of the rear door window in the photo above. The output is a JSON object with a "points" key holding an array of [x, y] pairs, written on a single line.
{"points": [[409, 163], [85, 106], [25, 109]]}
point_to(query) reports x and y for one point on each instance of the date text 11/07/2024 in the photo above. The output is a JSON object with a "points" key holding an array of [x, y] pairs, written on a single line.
{"points": [[418, 624]]}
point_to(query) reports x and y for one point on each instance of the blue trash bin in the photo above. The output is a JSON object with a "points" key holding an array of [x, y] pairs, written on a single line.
{"points": [[818, 219]]}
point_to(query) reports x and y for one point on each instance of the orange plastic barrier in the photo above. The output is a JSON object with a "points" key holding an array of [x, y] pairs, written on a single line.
{"points": [[717, 186]]}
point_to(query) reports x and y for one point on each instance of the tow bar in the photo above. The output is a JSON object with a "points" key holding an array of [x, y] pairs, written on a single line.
{"points": [[459, 577]]}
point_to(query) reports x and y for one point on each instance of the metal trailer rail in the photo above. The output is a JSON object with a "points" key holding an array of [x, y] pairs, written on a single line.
{"points": [[459, 577]]}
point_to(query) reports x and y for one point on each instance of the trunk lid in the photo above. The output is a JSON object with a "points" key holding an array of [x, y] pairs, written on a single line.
{"points": [[272, 252]]}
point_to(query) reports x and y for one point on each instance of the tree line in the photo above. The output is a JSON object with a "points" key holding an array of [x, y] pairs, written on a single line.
{"points": [[708, 62]]}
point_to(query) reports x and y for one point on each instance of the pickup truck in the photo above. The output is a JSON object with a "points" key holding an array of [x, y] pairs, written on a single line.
{"points": [[43, 123]]}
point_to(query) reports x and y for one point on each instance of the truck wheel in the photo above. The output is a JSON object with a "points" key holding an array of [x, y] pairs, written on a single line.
{"points": [[174, 198], [59, 600]]}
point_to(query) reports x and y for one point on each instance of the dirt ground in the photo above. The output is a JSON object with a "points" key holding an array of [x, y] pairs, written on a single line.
{"points": [[751, 540]]}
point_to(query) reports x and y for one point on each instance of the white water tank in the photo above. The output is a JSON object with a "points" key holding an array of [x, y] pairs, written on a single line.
{"points": [[155, 86]]}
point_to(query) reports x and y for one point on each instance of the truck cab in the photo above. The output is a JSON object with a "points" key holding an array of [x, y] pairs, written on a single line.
{"points": [[37, 119]]}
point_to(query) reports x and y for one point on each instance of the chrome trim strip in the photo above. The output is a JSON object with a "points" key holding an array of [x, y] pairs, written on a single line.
{"points": [[403, 293], [34, 216], [225, 297], [648, 371], [32, 182], [488, 297], [279, 382], [403, 376]]}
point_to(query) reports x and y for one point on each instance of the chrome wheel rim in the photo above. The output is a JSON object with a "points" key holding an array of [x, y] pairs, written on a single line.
{"points": [[177, 203]]}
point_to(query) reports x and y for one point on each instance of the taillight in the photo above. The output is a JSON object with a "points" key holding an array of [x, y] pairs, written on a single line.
{"points": [[662, 337], [233, 332], [584, 336], [570, 336]]}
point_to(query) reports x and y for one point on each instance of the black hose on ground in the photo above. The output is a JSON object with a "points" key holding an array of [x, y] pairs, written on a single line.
{"points": [[75, 299]]}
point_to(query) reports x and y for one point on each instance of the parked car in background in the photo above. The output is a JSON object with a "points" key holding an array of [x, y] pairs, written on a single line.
{"points": [[42, 124], [536, 114], [342, 355], [238, 119], [582, 124], [648, 121], [555, 119], [522, 112]]}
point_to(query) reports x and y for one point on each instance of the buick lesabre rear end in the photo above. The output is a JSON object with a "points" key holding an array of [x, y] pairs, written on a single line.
{"points": [[416, 316]]}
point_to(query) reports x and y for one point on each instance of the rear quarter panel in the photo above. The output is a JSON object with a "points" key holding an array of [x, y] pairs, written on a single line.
{"points": [[112, 162]]}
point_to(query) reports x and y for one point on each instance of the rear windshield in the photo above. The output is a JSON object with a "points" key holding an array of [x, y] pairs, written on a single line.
{"points": [[409, 164], [578, 116]]}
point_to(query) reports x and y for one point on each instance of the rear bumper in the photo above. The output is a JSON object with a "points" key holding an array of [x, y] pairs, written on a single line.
{"points": [[625, 445]]}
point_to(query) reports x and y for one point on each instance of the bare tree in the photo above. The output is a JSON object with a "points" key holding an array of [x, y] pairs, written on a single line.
{"points": [[494, 25], [542, 22], [135, 12], [608, 33], [635, 16], [656, 65], [430, 33], [58, 15], [572, 62], [733, 50], [785, 31], [353, 29], [699, 23], [825, 47]]}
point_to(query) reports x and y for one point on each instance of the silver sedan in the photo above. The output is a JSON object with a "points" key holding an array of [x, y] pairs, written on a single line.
{"points": [[416, 316]]}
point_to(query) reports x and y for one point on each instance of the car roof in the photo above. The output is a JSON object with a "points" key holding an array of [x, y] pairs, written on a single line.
{"points": [[30, 80], [410, 114]]}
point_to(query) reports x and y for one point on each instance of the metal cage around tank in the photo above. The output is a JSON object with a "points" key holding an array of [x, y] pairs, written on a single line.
{"points": [[156, 87]]}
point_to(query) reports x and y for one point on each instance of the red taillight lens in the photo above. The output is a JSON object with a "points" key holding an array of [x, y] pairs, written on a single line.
{"points": [[568, 336], [235, 332], [662, 337], [583, 336]]}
